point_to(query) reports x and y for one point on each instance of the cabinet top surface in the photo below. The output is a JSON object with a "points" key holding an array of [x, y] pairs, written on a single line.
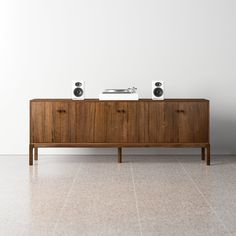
{"points": [[140, 100]]}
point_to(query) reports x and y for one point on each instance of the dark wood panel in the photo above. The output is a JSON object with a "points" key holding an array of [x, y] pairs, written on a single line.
{"points": [[132, 123], [57, 122], [143, 123], [115, 145], [100, 123], [119, 122], [85, 121], [155, 122], [72, 122], [116, 122], [37, 122], [51, 122], [171, 133], [193, 122], [48, 122], [186, 122], [125, 122], [112, 122]]}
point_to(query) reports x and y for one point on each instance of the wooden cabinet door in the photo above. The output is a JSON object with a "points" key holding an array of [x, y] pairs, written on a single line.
{"points": [[84, 129], [137, 115], [50, 122], [57, 122], [154, 122], [37, 122], [126, 121], [171, 122], [105, 122], [116, 115], [193, 122], [122, 122], [186, 122], [99, 122]]}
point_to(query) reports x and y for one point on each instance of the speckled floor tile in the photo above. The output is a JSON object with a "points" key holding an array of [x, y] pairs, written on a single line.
{"points": [[169, 203], [101, 202], [217, 186], [94, 195], [13, 229]]}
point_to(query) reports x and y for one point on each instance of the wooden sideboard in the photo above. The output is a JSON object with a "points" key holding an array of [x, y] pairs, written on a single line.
{"points": [[143, 123]]}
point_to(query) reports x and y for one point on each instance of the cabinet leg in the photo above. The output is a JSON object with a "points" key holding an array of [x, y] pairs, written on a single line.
{"points": [[36, 153], [31, 147], [208, 161], [119, 155], [203, 153]]}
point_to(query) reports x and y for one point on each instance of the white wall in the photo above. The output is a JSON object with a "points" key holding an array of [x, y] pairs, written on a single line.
{"points": [[190, 44]]}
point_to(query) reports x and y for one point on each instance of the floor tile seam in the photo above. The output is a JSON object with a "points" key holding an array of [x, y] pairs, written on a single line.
{"points": [[65, 201], [136, 199], [204, 198]]}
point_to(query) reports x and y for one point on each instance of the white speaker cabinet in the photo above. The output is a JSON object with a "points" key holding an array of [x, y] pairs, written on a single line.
{"points": [[158, 90], [78, 89]]}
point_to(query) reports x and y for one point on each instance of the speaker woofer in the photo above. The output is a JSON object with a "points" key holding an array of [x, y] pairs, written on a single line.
{"points": [[78, 92], [158, 92]]}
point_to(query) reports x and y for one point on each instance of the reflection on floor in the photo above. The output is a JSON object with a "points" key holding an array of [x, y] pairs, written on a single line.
{"points": [[145, 195]]}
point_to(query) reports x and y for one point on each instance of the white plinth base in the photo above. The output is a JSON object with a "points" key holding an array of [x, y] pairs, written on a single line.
{"points": [[128, 96]]}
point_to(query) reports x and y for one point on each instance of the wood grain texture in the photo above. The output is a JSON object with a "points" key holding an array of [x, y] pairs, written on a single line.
{"points": [[60, 122], [37, 122], [193, 122], [208, 159], [167, 145], [203, 153], [31, 148], [52, 122], [84, 121], [116, 122], [119, 155], [142, 123], [36, 153], [186, 122], [171, 122], [155, 122]]}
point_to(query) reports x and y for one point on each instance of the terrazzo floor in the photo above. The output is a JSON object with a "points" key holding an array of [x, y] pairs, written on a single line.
{"points": [[94, 195]]}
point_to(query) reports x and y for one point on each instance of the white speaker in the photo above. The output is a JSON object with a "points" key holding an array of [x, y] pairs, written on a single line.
{"points": [[78, 90], [158, 90]]}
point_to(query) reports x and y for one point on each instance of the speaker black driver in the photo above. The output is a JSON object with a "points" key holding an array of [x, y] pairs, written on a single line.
{"points": [[78, 92]]}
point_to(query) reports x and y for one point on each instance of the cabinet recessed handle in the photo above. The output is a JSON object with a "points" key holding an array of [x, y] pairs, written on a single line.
{"points": [[61, 111], [180, 111], [121, 110]]}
